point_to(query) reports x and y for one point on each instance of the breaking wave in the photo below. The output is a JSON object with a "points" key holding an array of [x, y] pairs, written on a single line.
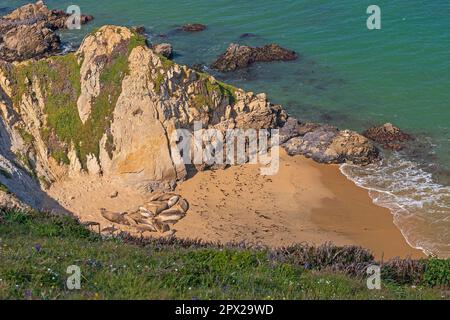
{"points": [[420, 206]]}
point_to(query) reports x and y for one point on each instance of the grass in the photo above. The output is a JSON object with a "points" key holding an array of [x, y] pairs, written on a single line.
{"points": [[37, 248]]}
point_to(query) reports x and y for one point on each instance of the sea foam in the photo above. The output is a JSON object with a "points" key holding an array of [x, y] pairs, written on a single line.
{"points": [[420, 206]]}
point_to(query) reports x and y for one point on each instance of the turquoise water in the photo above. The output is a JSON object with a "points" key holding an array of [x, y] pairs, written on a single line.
{"points": [[346, 75]]}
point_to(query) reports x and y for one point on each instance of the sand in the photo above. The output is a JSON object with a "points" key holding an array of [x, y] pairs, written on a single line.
{"points": [[303, 202]]}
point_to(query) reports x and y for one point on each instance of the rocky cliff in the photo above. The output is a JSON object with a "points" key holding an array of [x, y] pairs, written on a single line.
{"points": [[110, 107]]}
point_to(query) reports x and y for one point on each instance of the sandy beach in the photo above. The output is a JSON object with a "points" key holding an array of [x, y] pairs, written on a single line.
{"points": [[304, 202]]}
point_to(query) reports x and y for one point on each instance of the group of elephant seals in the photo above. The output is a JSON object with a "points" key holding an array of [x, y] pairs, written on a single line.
{"points": [[162, 211]]}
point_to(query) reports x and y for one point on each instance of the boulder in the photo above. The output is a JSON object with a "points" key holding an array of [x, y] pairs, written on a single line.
{"points": [[41, 41], [37, 24], [326, 144], [164, 49], [138, 29], [241, 56], [38, 12], [193, 27], [388, 136]]}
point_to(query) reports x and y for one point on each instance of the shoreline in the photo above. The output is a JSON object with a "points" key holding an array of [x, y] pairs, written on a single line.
{"points": [[304, 202]]}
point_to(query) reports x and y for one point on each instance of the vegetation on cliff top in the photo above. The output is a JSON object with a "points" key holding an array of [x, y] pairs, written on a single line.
{"points": [[37, 248]]}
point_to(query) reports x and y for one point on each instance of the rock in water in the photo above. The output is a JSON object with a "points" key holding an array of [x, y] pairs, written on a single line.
{"points": [[37, 24], [41, 41], [164, 49], [193, 27], [388, 136], [241, 56], [138, 29]]}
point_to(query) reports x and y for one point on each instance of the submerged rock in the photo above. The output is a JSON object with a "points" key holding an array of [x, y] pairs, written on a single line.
{"points": [[35, 24], [241, 56], [138, 29], [193, 27], [388, 136]]}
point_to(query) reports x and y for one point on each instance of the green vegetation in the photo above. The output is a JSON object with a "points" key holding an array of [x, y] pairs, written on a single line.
{"points": [[3, 188], [37, 248], [24, 163], [26, 136], [166, 63], [211, 88], [60, 156], [59, 78], [437, 272]]}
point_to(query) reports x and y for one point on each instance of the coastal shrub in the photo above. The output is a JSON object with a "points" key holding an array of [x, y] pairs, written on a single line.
{"points": [[437, 272], [351, 259], [403, 271]]}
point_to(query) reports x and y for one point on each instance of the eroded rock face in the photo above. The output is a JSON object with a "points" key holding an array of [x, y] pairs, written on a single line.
{"points": [[35, 23], [122, 102], [111, 109], [240, 56], [326, 144], [388, 136], [40, 41]]}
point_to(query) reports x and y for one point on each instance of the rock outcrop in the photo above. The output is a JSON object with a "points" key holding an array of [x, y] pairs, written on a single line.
{"points": [[388, 136], [193, 27], [110, 109], [240, 56], [29, 32], [164, 49], [326, 144]]}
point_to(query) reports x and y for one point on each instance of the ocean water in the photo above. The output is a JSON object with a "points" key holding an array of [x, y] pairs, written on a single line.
{"points": [[347, 75]]}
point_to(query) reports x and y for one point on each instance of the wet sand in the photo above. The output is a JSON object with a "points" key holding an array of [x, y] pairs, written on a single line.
{"points": [[303, 202]]}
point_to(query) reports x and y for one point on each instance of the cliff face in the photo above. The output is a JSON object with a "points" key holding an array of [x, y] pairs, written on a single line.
{"points": [[108, 109]]}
